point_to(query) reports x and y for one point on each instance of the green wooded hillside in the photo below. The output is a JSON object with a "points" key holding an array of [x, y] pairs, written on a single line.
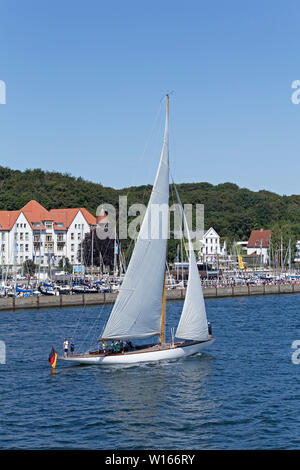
{"points": [[231, 210]]}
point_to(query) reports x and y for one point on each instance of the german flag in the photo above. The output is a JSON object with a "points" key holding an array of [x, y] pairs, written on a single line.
{"points": [[52, 357]]}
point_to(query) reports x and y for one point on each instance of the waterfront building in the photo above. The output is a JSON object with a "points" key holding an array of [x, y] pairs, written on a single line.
{"points": [[43, 236], [209, 247], [258, 244]]}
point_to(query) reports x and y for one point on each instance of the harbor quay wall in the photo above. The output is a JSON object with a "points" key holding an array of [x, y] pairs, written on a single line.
{"points": [[101, 298]]}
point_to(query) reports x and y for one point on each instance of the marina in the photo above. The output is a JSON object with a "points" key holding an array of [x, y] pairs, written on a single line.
{"points": [[102, 298]]}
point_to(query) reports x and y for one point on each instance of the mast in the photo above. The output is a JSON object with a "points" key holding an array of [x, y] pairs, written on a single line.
{"points": [[162, 333]]}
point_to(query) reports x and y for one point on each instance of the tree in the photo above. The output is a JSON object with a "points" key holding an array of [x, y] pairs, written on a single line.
{"points": [[103, 250], [232, 211], [29, 267], [65, 265]]}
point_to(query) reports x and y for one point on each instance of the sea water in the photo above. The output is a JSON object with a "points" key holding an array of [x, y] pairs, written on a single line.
{"points": [[242, 393]]}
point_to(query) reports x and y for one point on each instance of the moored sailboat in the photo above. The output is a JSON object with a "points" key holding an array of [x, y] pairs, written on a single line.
{"points": [[139, 310]]}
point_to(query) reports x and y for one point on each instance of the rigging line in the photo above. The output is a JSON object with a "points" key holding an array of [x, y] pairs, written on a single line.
{"points": [[88, 333], [150, 136], [185, 225], [93, 325], [158, 112], [96, 335], [79, 318], [83, 309]]}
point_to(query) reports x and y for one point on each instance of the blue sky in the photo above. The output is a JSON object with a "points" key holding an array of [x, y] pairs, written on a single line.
{"points": [[85, 82]]}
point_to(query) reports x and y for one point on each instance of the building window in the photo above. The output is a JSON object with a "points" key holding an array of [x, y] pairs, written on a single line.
{"points": [[72, 236], [26, 236], [72, 247]]}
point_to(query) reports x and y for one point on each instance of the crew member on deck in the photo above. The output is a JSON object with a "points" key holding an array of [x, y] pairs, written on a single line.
{"points": [[66, 347], [104, 347]]}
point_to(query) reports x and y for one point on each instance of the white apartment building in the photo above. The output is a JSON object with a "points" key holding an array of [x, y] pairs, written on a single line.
{"points": [[43, 236], [209, 246]]}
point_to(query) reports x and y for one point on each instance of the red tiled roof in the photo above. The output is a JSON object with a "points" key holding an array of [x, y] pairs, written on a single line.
{"points": [[259, 238], [36, 213], [66, 217], [8, 219], [88, 216]]}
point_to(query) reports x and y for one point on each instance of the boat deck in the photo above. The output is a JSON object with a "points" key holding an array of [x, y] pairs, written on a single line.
{"points": [[137, 350]]}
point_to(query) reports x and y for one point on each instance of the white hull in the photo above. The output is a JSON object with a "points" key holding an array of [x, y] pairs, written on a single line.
{"points": [[154, 354]]}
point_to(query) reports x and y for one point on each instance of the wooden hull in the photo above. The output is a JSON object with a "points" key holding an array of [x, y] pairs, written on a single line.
{"points": [[153, 354]]}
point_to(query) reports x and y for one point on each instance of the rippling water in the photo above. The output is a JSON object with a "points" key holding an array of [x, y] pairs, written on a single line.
{"points": [[243, 393]]}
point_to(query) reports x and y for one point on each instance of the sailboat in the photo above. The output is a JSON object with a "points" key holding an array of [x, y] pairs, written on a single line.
{"points": [[139, 310]]}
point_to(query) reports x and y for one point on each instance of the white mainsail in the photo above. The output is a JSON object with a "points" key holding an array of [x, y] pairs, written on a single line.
{"points": [[138, 307], [193, 322]]}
